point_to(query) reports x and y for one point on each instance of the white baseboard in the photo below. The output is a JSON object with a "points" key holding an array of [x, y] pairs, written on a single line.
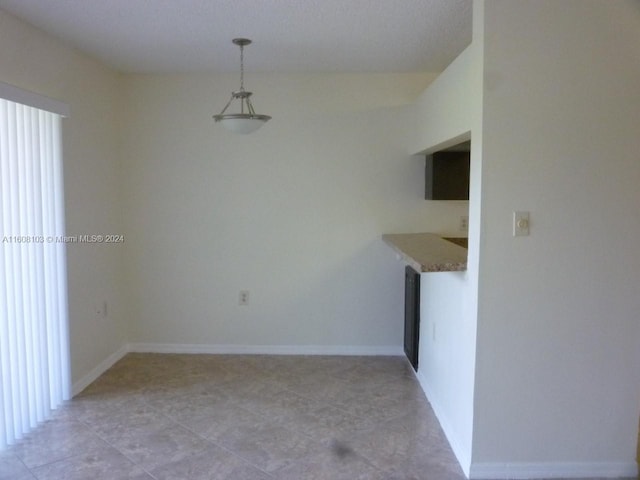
{"points": [[384, 350], [524, 471], [498, 471], [102, 367], [463, 455]]}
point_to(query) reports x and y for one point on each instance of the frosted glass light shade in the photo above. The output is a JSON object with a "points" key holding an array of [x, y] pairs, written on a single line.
{"points": [[242, 124]]}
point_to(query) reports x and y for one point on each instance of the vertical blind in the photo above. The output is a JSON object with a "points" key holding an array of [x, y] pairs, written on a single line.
{"points": [[34, 345]]}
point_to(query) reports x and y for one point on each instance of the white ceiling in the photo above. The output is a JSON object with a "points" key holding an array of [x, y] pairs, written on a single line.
{"points": [[289, 35]]}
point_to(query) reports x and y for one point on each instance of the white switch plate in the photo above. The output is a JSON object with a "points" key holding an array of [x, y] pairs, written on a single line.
{"points": [[520, 224]]}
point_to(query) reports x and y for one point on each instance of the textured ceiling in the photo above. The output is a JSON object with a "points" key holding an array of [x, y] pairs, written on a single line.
{"points": [[289, 35]]}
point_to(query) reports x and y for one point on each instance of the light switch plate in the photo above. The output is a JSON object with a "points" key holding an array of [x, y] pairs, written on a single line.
{"points": [[520, 224]]}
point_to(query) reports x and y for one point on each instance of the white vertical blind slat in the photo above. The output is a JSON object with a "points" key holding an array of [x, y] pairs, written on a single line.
{"points": [[45, 400], [13, 280], [37, 279], [30, 307], [34, 347], [6, 415], [24, 305], [61, 260]]}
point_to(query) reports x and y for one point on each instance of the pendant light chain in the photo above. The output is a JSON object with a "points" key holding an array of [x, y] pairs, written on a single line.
{"points": [[243, 99], [242, 68]]}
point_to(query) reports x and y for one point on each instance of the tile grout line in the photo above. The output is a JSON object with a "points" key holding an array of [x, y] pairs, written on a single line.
{"points": [[216, 444]]}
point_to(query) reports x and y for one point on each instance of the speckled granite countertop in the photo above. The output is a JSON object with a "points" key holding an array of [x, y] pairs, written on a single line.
{"points": [[428, 252]]}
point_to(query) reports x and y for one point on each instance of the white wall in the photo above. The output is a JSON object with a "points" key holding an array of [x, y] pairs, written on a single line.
{"points": [[450, 110], [557, 389], [446, 361], [293, 213], [445, 113], [34, 61]]}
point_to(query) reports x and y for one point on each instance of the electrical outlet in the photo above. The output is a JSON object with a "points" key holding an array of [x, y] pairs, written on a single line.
{"points": [[243, 297], [464, 223]]}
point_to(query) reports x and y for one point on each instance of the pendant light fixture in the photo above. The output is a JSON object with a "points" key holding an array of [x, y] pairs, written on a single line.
{"points": [[247, 120]]}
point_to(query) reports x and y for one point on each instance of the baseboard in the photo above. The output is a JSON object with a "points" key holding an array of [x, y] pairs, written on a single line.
{"points": [[499, 471], [463, 455], [384, 350], [102, 367]]}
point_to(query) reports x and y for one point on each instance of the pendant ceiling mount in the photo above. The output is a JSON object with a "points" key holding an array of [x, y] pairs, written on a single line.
{"points": [[241, 42], [247, 120]]}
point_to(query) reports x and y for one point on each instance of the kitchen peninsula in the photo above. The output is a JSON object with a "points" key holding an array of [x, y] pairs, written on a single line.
{"points": [[428, 252]]}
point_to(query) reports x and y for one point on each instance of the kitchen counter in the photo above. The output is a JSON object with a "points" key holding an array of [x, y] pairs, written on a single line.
{"points": [[428, 252]]}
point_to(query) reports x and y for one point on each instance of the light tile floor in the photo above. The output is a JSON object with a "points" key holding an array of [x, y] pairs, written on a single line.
{"points": [[236, 417], [229, 417]]}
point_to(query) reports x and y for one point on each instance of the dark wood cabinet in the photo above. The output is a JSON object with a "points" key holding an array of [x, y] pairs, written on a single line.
{"points": [[447, 176], [411, 315]]}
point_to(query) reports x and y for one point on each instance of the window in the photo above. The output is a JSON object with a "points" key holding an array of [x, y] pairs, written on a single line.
{"points": [[34, 346]]}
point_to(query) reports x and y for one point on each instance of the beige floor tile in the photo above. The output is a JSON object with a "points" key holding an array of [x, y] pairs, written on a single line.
{"points": [[269, 446], [193, 417], [153, 450], [131, 423], [212, 464], [221, 422], [55, 440], [11, 467], [327, 423], [333, 464], [105, 464]]}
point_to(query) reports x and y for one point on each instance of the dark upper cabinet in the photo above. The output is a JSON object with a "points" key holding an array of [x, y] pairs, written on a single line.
{"points": [[447, 176]]}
